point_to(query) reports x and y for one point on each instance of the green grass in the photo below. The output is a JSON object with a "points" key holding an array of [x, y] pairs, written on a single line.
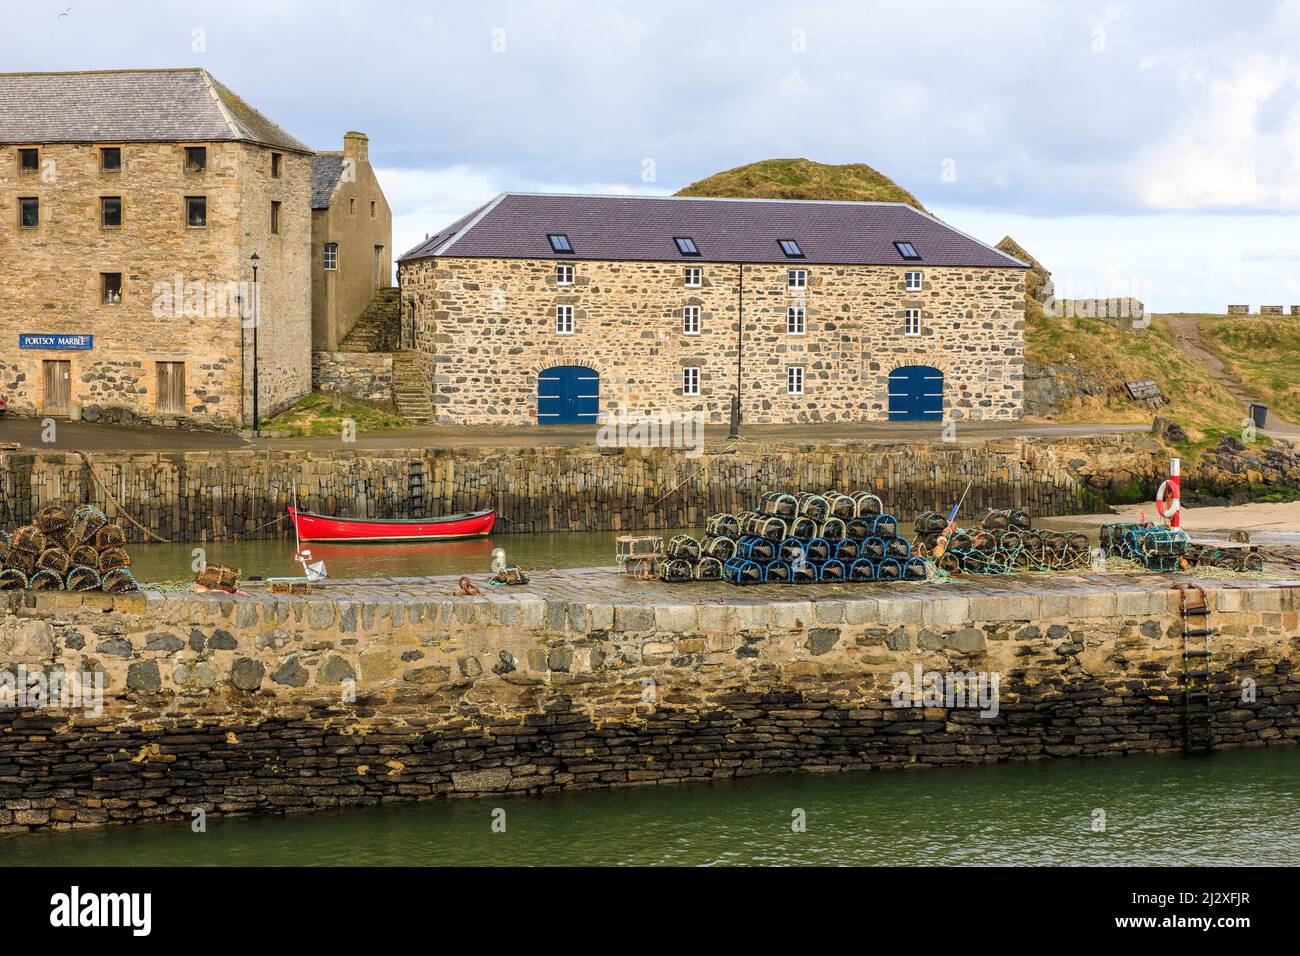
{"points": [[316, 415], [1263, 353], [802, 179]]}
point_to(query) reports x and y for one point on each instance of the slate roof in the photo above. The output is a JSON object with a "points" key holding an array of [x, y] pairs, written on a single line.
{"points": [[130, 106], [642, 228], [326, 168]]}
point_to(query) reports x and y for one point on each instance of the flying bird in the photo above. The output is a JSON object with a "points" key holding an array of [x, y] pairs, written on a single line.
{"points": [[65, 12]]}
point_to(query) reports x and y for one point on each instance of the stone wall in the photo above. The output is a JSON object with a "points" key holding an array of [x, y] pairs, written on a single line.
{"points": [[263, 704], [220, 495], [1239, 310], [486, 327], [365, 375]]}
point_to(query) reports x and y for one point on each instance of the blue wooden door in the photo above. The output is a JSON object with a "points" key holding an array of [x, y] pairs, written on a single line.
{"points": [[568, 395], [916, 394]]}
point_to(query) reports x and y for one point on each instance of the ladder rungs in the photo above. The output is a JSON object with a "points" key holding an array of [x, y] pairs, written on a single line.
{"points": [[1199, 611], [1196, 632], [1196, 653], [1198, 673], [1198, 695]]}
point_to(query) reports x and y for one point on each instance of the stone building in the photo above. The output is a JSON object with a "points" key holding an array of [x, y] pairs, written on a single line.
{"points": [[131, 203], [351, 240], [554, 308]]}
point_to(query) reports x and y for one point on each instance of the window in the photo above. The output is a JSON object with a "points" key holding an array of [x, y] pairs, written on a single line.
{"points": [[110, 159], [686, 246], [691, 320], [564, 275], [110, 212], [110, 284], [794, 320], [196, 159], [275, 218], [794, 380], [352, 207], [798, 278], [913, 281], [559, 242], [277, 161], [372, 209], [913, 326], [29, 160], [29, 212], [196, 211], [907, 250], [331, 256], [791, 248], [564, 319], [694, 277], [690, 381]]}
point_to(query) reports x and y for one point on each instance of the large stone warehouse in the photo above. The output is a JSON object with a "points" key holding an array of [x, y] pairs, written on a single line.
{"points": [[554, 308]]}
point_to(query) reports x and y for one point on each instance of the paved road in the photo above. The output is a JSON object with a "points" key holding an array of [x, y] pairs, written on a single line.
{"points": [[87, 437]]}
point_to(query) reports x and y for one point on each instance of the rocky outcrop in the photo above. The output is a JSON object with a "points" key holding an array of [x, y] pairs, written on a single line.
{"points": [[1048, 385]]}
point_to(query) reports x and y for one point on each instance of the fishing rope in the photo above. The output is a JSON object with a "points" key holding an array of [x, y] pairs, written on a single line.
{"points": [[90, 469]]}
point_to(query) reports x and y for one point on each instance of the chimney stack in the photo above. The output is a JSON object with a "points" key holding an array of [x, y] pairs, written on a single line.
{"points": [[356, 146]]}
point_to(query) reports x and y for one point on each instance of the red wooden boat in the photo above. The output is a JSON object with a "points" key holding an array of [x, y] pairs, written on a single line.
{"points": [[310, 527]]}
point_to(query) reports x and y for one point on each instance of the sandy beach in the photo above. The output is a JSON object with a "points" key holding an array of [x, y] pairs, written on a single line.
{"points": [[1258, 516]]}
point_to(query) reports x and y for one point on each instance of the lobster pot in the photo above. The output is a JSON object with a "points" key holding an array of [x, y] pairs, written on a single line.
{"points": [[874, 548], [888, 570], [862, 570], [4, 545], [709, 569], [818, 550], [46, 581], [53, 520], [772, 528], [897, 548], [976, 562], [859, 528], [791, 550], [777, 572], [84, 555], [676, 571], [930, 522], [11, 579], [1158, 541], [742, 571], [950, 563], [779, 503], [723, 525], [842, 506], [914, 570], [868, 505], [831, 571], [218, 577], [720, 548], [110, 536], [113, 558], [82, 578], [814, 506], [885, 526], [803, 573], [846, 551], [54, 559], [832, 529], [86, 522], [805, 529], [1009, 541], [685, 547], [1054, 545], [983, 541], [996, 520], [29, 539], [21, 561], [119, 581], [754, 548]]}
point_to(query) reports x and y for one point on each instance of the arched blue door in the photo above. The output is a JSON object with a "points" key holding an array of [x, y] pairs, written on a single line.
{"points": [[568, 395], [916, 394]]}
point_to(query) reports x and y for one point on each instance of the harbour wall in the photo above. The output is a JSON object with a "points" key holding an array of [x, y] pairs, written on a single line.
{"points": [[224, 495], [366, 694]]}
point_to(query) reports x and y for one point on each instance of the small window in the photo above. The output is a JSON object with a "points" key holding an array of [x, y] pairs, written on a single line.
{"points": [[564, 275], [691, 320], [110, 284], [690, 380], [29, 212], [29, 160], [110, 212], [913, 326], [559, 242], [686, 246], [196, 159], [331, 256], [275, 218], [794, 380], [913, 281], [564, 319], [110, 159], [791, 248], [277, 162], [907, 250], [694, 277], [794, 320], [352, 207], [798, 278], [372, 209], [196, 211]]}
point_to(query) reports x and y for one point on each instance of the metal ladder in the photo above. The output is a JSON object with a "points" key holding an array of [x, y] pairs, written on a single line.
{"points": [[415, 489], [1198, 718]]}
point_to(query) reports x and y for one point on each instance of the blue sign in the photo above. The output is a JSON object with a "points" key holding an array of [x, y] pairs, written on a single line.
{"points": [[62, 343]]}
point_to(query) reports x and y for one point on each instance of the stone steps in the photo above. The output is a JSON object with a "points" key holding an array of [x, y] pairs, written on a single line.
{"points": [[410, 390], [378, 327]]}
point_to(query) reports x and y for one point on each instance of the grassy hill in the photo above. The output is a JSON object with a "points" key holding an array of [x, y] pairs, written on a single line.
{"points": [[802, 179], [1263, 353]]}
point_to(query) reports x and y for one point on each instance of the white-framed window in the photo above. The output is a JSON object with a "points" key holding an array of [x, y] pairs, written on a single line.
{"points": [[690, 380], [913, 325], [794, 379], [693, 277], [564, 274], [913, 281], [794, 320], [564, 319], [797, 278], [331, 256], [691, 319]]}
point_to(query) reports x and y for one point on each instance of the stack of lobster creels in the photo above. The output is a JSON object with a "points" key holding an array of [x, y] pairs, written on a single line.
{"points": [[797, 538], [1004, 543], [58, 551]]}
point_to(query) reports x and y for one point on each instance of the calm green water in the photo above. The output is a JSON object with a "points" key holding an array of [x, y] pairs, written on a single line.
{"points": [[1230, 808]]}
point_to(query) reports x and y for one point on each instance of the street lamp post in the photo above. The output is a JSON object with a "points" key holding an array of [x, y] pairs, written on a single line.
{"points": [[256, 296]]}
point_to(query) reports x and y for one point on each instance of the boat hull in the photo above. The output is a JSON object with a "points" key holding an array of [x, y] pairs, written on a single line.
{"points": [[312, 527]]}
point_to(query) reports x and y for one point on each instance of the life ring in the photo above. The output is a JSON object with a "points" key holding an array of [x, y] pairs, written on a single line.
{"points": [[1166, 506]]}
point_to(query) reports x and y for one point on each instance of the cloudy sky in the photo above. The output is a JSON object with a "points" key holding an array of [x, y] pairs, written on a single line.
{"points": [[1148, 148]]}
